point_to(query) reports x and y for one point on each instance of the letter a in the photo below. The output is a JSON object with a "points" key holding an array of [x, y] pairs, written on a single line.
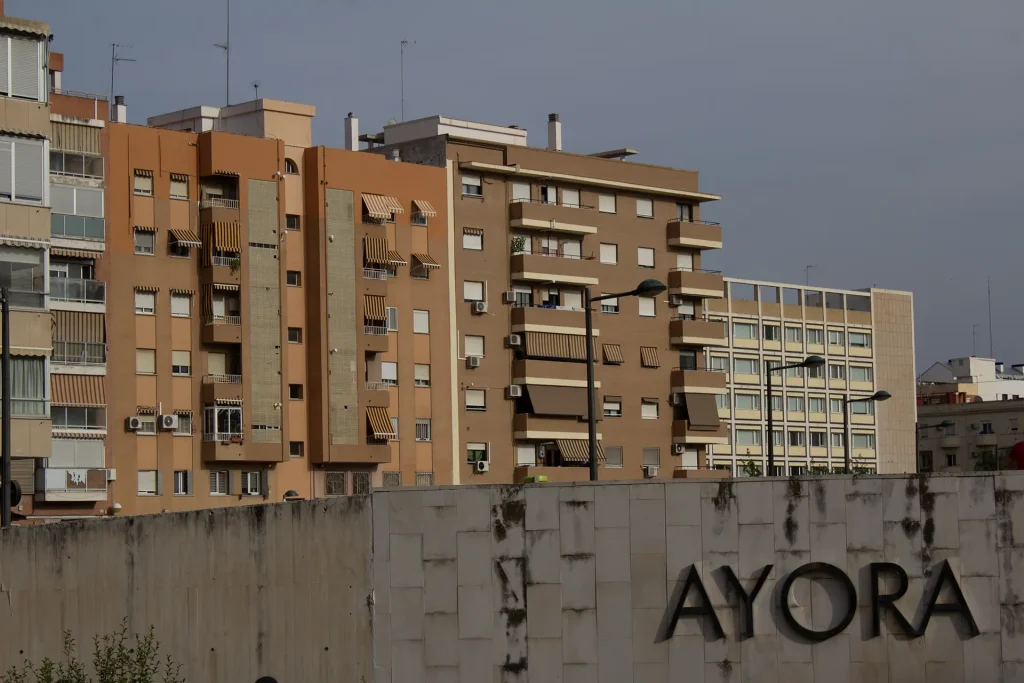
{"points": [[677, 609]]}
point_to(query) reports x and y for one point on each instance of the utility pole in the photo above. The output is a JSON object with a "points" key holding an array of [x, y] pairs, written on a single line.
{"points": [[226, 46], [991, 344], [5, 413], [114, 59], [807, 274], [404, 44], [974, 340]]}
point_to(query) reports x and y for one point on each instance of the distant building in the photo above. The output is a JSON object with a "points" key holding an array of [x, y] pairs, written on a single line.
{"points": [[964, 380], [962, 437]]}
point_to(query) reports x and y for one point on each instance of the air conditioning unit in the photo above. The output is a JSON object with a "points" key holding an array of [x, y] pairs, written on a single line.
{"points": [[111, 475], [473, 361], [678, 448], [133, 423], [675, 300], [479, 307], [974, 426], [676, 399], [514, 391], [509, 297], [650, 471], [513, 340], [482, 466], [168, 422]]}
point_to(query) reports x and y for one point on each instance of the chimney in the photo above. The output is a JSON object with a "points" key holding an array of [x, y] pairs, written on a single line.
{"points": [[999, 366], [351, 133], [554, 132], [120, 110]]}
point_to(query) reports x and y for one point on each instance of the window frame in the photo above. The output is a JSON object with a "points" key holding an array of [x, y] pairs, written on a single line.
{"points": [[466, 294], [182, 485], [295, 281], [419, 316], [603, 205], [645, 405], [475, 407], [465, 345], [179, 370], [138, 188], [423, 427], [288, 222], [145, 310], [140, 249], [187, 298], [11, 145], [419, 381], [298, 339], [614, 247], [649, 203], [641, 303], [643, 251], [475, 235], [467, 190], [614, 411]]}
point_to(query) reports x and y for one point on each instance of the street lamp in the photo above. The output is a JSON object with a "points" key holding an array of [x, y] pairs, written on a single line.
{"points": [[809, 362], [917, 437], [645, 288], [880, 395]]}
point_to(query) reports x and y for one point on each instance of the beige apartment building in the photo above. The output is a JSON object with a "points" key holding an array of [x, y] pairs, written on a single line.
{"points": [[968, 436]]}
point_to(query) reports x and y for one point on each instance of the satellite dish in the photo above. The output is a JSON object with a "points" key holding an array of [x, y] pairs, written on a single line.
{"points": [[391, 121]]}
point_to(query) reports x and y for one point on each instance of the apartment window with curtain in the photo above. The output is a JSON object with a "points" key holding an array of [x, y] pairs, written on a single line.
{"points": [[22, 177], [22, 69], [684, 212], [644, 208], [28, 385]]}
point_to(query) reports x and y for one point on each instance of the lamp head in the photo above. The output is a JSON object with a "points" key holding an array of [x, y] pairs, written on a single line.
{"points": [[947, 423], [649, 288], [881, 395], [813, 362]]}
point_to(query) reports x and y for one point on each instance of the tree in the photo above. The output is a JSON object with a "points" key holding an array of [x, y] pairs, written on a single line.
{"points": [[751, 469]]}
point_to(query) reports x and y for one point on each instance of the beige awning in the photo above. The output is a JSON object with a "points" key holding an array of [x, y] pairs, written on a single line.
{"points": [[426, 260], [228, 401], [225, 287], [702, 412], [613, 354], [187, 292], [90, 434], [75, 326], [186, 237], [649, 357], [23, 242], [144, 228], [396, 259], [21, 132], [375, 308], [143, 173], [179, 177], [69, 137], [378, 206], [37, 28], [375, 251], [75, 253], [225, 236], [145, 410], [558, 401], [146, 288], [380, 422], [556, 345], [578, 450], [423, 207], [77, 390]]}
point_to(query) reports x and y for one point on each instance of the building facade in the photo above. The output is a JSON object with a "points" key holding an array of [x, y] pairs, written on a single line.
{"points": [[963, 380], [968, 436]]}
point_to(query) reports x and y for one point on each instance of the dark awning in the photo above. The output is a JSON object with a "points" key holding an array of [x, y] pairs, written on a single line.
{"points": [[578, 450], [558, 401], [702, 412]]}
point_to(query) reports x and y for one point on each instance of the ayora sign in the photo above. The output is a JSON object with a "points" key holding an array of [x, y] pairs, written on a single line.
{"points": [[880, 602]]}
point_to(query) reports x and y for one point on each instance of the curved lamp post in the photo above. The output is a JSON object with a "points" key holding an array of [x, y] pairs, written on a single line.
{"points": [[645, 288], [809, 362], [880, 395]]}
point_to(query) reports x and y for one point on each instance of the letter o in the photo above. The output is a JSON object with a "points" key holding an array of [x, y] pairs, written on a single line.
{"points": [[831, 571]]}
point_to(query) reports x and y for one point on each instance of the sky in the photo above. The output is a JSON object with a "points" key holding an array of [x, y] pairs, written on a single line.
{"points": [[880, 141]]}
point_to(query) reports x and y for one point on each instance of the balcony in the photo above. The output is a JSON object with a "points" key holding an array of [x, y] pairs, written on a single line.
{"points": [[374, 273], [541, 319], [217, 387], [695, 234], [375, 338], [697, 332], [378, 394], [78, 103], [949, 441], [692, 381], [552, 217], [683, 433], [222, 329], [702, 283], [554, 268], [212, 202], [77, 228], [547, 372], [537, 427], [93, 354], [62, 485], [76, 291], [987, 440], [557, 474]]}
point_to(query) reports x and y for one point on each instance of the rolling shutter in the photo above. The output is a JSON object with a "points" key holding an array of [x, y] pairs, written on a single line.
{"points": [[25, 68], [28, 170]]}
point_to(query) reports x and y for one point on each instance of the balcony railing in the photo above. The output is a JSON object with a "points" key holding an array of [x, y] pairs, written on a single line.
{"points": [[690, 220], [75, 164], [76, 290], [565, 204], [377, 386], [78, 93], [694, 270], [79, 353], [228, 261], [380, 330], [218, 203], [374, 274], [223, 320], [76, 227], [553, 254], [222, 436], [222, 379]]}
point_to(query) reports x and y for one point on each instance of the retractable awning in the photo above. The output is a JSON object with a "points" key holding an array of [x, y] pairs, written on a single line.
{"points": [[186, 237], [423, 207], [578, 450], [380, 422], [77, 390]]}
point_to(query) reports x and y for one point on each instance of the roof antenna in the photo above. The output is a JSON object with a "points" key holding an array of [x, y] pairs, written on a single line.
{"points": [[404, 44], [226, 46], [114, 59], [256, 85]]}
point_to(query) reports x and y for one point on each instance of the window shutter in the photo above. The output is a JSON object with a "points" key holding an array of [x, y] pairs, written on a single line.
{"points": [[474, 345], [422, 372], [265, 482], [521, 192], [4, 80], [28, 170], [62, 199], [179, 188], [87, 202], [181, 357], [181, 304], [25, 68], [389, 371], [5, 168]]}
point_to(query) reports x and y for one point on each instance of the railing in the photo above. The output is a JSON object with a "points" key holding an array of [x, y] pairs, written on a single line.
{"points": [[79, 353], [690, 220], [81, 291], [26, 299], [222, 379], [76, 227], [539, 201], [78, 93], [75, 164], [692, 316], [370, 220], [222, 436], [217, 203], [374, 274], [695, 270], [380, 330], [554, 254], [377, 386], [224, 260], [223, 320], [701, 369], [519, 304]]}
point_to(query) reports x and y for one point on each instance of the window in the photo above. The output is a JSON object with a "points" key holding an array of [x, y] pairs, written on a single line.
{"points": [[424, 478], [776, 403], [862, 407], [644, 208], [145, 361], [771, 332], [20, 77], [391, 314], [797, 437], [291, 222], [422, 375], [722, 401], [145, 241], [684, 212], [794, 335], [794, 372], [748, 437], [610, 305], [815, 335], [389, 373], [837, 439], [836, 338], [394, 426], [421, 322], [950, 459], [392, 480], [986, 427], [835, 405], [148, 424], [360, 483], [609, 253], [294, 278], [836, 371], [797, 470], [334, 483], [860, 340], [21, 169], [295, 392], [181, 305], [520, 192], [795, 404], [816, 405], [476, 452], [606, 203], [73, 163], [649, 409], [145, 302], [476, 400], [222, 423], [147, 483], [473, 346], [744, 331], [472, 185], [181, 363], [219, 482], [859, 373], [816, 372], [184, 427], [472, 239], [613, 407], [144, 183], [652, 456], [613, 456], [646, 304], [71, 200], [570, 198], [182, 483], [868, 441], [1013, 424], [291, 167], [72, 417], [179, 186], [720, 363], [294, 335], [687, 360], [177, 249], [423, 429], [818, 440], [745, 366], [773, 364], [748, 402], [472, 290], [251, 484], [548, 194], [645, 257]]}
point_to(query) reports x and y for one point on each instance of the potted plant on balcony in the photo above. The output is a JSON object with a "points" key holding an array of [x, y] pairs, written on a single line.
{"points": [[518, 244], [235, 264]]}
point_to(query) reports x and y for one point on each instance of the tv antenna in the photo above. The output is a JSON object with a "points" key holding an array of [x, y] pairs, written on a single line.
{"points": [[256, 85], [404, 44], [114, 59], [226, 46]]}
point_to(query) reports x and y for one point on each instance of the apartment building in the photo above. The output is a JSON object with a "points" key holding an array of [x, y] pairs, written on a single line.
{"points": [[967, 379], [969, 436], [867, 340]]}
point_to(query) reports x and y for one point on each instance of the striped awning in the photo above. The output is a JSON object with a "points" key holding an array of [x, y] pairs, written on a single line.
{"points": [[144, 228], [221, 171], [225, 287], [145, 410], [77, 390], [179, 177], [143, 173], [472, 231], [225, 236], [375, 251], [186, 237], [375, 308], [37, 28], [426, 260], [379, 206], [24, 242], [182, 411], [228, 401], [84, 434], [649, 357], [21, 132], [423, 207], [186, 292], [75, 326], [578, 450], [146, 288], [613, 354], [75, 253], [396, 259], [556, 345], [380, 422]]}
